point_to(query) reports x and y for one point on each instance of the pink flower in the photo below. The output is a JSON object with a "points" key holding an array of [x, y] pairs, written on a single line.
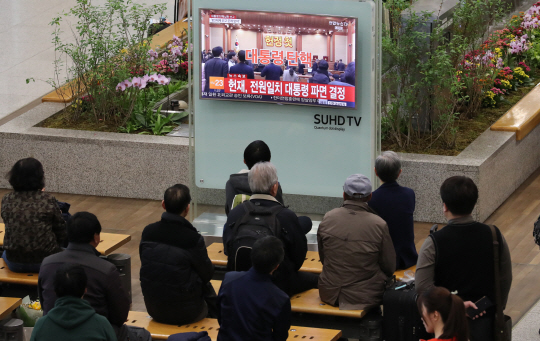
{"points": [[136, 81], [145, 78], [127, 83], [121, 86], [163, 80], [143, 84], [154, 77]]}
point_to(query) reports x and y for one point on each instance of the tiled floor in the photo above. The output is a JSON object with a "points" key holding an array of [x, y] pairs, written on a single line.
{"points": [[26, 50]]}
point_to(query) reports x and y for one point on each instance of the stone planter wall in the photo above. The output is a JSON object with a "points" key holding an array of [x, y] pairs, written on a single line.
{"points": [[142, 166]]}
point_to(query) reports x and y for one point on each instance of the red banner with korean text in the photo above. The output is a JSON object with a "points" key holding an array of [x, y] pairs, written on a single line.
{"points": [[240, 85]]}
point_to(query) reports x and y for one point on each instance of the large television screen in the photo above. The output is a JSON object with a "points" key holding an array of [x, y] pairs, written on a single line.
{"points": [[286, 58]]}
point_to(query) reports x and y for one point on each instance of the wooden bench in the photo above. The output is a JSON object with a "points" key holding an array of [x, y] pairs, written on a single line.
{"points": [[311, 264], [523, 117], [109, 241], [162, 331], [8, 276], [7, 305], [310, 301]]}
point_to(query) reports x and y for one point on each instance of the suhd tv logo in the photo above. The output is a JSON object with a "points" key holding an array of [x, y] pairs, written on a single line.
{"points": [[335, 122]]}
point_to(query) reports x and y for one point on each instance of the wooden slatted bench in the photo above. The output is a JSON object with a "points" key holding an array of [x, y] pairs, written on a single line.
{"points": [[310, 301], [8, 276], [7, 305], [109, 242], [312, 263], [523, 117], [162, 331]]}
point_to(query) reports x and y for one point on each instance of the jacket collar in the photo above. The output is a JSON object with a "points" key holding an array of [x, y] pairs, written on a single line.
{"points": [[263, 197], [357, 206], [461, 220], [177, 219], [259, 276], [83, 247], [390, 184]]}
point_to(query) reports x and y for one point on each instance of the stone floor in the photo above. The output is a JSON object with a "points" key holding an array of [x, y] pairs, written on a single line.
{"points": [[27, 50]]}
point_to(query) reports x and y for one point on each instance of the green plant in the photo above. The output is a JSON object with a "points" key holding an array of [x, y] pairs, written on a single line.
{"points": [[431, 85], [109, 47]]}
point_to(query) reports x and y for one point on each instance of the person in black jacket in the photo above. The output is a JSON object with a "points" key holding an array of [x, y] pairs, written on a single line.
{"points": [[263, 182], [256, 151], [105, 292], [250, 306], [175, 268], [460, 257]]}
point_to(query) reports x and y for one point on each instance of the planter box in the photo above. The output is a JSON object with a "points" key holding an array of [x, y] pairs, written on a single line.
{"points": [[142, 166]]}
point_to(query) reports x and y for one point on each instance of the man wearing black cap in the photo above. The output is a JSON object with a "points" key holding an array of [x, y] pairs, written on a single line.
{"points": [[215, 67], [242, 68], [356, 250], [272, 72], [321, 76]]}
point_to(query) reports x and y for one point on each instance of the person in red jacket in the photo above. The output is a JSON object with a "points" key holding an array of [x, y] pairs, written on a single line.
{"points": [[443, 314]]}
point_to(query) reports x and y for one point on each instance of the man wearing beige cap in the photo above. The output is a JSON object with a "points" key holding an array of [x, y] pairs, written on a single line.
{"points": [[356, 250]]}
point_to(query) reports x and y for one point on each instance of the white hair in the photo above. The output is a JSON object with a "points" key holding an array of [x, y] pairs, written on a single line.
{"points": [[261, 177]]}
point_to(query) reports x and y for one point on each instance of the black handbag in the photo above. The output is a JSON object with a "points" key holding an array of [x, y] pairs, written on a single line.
{"points": [[503, 323]]}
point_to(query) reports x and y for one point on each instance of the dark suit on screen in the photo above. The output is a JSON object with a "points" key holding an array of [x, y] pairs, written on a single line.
{"points": [[243, 69], [314, 67], [301, 68], [272, 72], [214, 67], [341, 67]]}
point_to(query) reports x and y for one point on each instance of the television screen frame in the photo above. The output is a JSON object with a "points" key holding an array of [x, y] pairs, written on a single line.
{"points": [[337, 103]]}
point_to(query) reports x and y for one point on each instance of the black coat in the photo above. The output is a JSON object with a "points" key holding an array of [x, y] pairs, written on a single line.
{"points": [[175, 268], [214, 67], [294, 241]]}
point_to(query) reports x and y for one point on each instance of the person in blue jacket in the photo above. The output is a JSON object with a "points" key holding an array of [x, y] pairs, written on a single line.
{"points": [[250, 306], [315, 66], [395, 204], [242, 68], [272, 72], [301, 67], [215, 67]]}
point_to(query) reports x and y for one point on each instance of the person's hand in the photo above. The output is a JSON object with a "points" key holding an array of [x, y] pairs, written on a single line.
{"points": [[470, 304]]}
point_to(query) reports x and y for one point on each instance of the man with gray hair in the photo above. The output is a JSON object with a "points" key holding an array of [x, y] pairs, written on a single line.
{"points": [[356, 251], [395, 204], [272, 218]]}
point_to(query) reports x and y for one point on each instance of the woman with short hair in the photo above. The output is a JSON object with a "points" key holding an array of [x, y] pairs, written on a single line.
{"points": [[34, 227]]}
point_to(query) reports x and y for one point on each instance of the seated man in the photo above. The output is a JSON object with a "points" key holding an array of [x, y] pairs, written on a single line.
{"points": [[256, 151], [72, 318], [395, 204], [460, 257], [104, 292], [250, 306], [175, 268], [263, 182], [356, 250]]}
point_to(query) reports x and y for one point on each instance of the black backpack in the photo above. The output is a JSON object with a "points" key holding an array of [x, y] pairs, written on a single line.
{"points": [[257, 222], [536, 232]]}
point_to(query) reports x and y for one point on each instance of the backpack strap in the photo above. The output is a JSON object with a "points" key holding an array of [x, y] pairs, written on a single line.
{"points": [[499, 315]]}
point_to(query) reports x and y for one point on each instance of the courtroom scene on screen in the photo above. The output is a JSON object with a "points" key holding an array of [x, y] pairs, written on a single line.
{"points": [[286, 58]]}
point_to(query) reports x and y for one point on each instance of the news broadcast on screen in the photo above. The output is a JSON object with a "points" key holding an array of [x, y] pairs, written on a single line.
{"points": [[276, 57]]}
